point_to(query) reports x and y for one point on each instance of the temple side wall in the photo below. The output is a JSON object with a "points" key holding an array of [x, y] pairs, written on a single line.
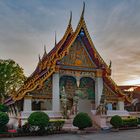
{"points": [[27, 106], [120, 105]]}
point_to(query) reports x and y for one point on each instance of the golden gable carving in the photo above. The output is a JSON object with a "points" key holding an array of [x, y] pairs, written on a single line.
{"points": [[77, 56]]}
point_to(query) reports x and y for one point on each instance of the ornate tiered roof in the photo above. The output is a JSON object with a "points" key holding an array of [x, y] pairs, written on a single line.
{"points": [[47, 65]]}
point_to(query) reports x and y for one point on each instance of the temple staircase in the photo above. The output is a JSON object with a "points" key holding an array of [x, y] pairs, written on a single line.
{"points": [[69, 123], [103, 121]]}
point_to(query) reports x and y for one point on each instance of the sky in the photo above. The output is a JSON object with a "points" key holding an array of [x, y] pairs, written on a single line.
{"points": [[114, 26]]}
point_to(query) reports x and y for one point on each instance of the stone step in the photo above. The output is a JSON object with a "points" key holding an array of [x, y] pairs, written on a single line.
{"points": [[68, 121]]}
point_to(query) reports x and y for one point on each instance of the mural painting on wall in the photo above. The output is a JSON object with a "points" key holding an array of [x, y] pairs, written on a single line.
{"points": [[87, 88], [40, 96]]}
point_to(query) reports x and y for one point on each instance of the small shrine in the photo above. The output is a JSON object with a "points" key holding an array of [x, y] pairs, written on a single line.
{"points": [[71, 78]]}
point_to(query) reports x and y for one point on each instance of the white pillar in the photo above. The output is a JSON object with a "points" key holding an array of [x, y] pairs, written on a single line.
{"points": [[121, 105], [55, 92], [98, 90], [27, 104]]}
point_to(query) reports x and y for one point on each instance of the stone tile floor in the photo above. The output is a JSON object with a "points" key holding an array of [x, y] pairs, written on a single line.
{"points": [[121, 135]]}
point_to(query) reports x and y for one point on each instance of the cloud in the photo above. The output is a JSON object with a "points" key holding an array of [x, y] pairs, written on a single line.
{"points": [[24, 29], [120, 41], [113, 25]]}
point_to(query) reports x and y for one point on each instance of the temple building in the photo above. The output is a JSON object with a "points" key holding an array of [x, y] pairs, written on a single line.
{"points": [[71, 78]]}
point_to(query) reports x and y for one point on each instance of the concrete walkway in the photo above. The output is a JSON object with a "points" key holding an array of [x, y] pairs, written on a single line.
{"points": [[121, 135]]}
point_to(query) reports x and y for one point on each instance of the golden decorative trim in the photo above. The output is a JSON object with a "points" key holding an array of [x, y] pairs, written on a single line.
{"points": [[49, 96], [121, 99], [99, 73], [27, 97], [50, 64]]}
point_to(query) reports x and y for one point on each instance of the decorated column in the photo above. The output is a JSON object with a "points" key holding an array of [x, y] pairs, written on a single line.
{"points": [[55, 92], [98, 88], [27, 103]]}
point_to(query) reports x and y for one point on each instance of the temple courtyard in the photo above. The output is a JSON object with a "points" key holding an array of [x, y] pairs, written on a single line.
{"points": [[121, 135]]}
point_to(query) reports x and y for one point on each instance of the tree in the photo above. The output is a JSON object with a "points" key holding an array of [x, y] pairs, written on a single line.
{"points": [[11, 77]]}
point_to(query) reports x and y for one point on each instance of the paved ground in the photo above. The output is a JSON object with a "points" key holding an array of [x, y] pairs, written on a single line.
{"points": [[121, 135]]}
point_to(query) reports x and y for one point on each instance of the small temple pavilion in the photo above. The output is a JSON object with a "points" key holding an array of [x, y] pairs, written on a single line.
{"points": [[133, 90], [71, 78]]}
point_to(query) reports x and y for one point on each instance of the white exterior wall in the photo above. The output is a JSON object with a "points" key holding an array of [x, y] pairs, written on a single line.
{"points": [[98, 90], [49, 104], [120, 105], [55, 92], [27, 104]]}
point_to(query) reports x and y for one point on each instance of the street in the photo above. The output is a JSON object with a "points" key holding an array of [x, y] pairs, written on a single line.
{"points": [[121, 135]]}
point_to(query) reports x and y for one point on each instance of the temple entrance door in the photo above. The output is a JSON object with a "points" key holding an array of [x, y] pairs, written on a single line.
{"points": [[84, 105], [74, 98], [86, 93], [36, 105]]}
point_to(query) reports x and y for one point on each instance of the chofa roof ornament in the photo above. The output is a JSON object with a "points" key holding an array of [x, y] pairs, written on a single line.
{"points": [[83, 11]]}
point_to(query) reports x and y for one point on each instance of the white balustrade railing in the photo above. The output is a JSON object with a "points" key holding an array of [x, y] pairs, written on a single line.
{"points": [[114, 112], [51, 114], [118, 112]]}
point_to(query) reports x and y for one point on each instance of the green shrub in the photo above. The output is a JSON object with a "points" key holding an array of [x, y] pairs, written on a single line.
{"points": [[3, 129], [116, 121], [25, 128], [138, 120], [3, 108], [82, 120], [55, 125], [4, 119], [130, 122], [40, 120]]}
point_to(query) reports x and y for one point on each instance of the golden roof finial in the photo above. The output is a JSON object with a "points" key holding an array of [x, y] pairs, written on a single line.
{"points": [[39, 58], [70, 18], [83, 11], [110, 64], [45, 49], [55, 39]]}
